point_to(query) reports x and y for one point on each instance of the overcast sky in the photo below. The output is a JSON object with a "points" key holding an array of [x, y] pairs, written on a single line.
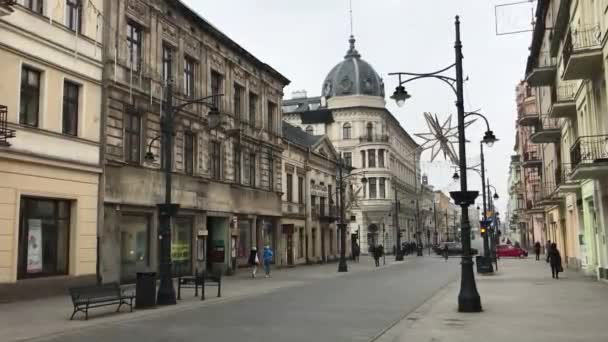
{"points": [[304, 39]]}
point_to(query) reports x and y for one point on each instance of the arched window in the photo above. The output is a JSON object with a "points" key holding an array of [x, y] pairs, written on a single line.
{"points": [[310, 130], [370, 131], [346, 131]]}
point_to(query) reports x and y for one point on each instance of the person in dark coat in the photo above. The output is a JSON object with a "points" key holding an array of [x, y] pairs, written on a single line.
{"points": [[356, 252], [254, 261], [377, 253], [537, 250], [555, 260]]}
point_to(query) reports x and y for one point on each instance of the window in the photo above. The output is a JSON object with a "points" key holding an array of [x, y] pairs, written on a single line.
{"points": [[301, 241], [270, 172], [348, 158], [237, 164], [74, 15], [314, 242], [272, 109], [371, 158], [132, 139], [310, 130], [346, 131], [380, 158], [370, 131], [382, 187], [216, 89], [301, 190], [239, 93], [44, 237], [30, 97], [363, 159], [216, 159], [373, 192], [322, 206], [289, 187], [189, 153], [167, 63], [134, 40], [181, 246], [253, 105], [330, 194], [189, 70], [33, 5], [134, 245], [252, 169], [70, 108]]}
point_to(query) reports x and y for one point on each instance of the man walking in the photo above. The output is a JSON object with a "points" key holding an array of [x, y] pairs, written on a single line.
{"points": [[537, 250], [267, 256], [547, 249]]}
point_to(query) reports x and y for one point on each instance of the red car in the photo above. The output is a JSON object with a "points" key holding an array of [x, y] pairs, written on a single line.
{"points": [[510, 251]]}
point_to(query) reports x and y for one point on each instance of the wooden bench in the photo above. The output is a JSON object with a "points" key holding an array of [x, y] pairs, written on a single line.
{"points": [[87, 297], [200, 279]]}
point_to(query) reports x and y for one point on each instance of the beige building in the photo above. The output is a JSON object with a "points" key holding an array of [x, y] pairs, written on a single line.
{"points": [[226, 178], [310, 197], [352, 113], [49, 171], [567, 64]]}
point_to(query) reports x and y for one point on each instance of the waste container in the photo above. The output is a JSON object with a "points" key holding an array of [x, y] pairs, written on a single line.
{"points": [[145, 290], [484, 264]]}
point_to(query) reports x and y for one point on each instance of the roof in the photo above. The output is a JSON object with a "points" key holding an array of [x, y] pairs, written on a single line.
{"points": [[299, 137], [302, 104], [216, 33], [317, 116]]}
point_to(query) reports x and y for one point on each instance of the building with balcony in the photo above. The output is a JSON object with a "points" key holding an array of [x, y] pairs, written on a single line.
{"points": [[49, 146], [575, 162], [352, 113], [226, 177], [309, 232]]}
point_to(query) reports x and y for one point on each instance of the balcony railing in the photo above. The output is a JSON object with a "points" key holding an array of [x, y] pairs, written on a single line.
{"points": [[547, 130], [548, 189], [563, 100], [531, 159], [5, 132], [589, 150], [584, 41], [290, 208], [542, 69], [374, 138]]}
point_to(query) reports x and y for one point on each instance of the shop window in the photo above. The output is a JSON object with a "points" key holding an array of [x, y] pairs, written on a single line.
{"points": [[181, 246], [44, 236], [134, 245]]}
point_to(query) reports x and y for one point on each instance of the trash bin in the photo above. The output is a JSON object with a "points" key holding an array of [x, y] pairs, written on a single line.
{"points": [[145, 290], [484, 264]]}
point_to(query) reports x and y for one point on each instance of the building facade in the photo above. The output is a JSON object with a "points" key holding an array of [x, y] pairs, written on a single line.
{"points": [[226, 175], [352, 113], [567, 67], [49, 144], [310, 198]]}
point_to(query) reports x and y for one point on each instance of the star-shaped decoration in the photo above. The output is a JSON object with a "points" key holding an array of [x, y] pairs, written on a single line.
{"points": [[441, 137]]}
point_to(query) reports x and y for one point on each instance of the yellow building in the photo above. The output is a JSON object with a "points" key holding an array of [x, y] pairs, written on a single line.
{"points": [[49, 160]]}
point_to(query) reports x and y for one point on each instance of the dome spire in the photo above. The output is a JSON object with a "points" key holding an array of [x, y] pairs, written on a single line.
{"points": [[352, 51]]}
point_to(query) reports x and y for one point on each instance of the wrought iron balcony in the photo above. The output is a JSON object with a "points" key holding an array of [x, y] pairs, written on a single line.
{"points": [[547, 131], [5, 132], [294, 209], [582, 52], [382, 138], [563, 100], [531, 159], [548, 193], [589, 157], [542, 70], [528, 119], [565, 183]]}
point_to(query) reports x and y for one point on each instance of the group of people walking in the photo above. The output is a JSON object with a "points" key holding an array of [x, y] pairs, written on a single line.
{"points": [[254, 260], [553, 257]]}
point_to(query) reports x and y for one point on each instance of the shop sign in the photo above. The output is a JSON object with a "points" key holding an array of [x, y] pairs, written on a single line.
{"points": [[318, 190]]}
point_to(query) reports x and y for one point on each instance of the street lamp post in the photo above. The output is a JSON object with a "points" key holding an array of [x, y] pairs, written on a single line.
{"points": [[468, 298], [168, 209], [342, 266]]}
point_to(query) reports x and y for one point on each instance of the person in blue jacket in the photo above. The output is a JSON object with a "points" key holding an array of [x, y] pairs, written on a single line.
{"points": [[267, 256]]}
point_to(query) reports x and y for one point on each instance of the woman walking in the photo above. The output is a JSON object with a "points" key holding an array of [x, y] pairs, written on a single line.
{"points": [[537, 250], [254, 261], [555, 260]]}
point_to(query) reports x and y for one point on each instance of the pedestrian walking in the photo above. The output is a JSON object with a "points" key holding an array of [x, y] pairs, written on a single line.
{"points": [[555, 260], [377, 253], [267, 258], [356, 252], [547, 249], [254, 261], [446, 253], [537, 250]]}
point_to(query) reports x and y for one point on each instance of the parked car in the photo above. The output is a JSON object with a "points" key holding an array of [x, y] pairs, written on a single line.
{"points": [[454, 248], [510, 251]]}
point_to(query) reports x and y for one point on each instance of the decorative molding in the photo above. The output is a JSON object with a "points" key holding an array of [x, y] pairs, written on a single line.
{"points": [[191, 47], [137, 9], [217, 62], [169, 32]]}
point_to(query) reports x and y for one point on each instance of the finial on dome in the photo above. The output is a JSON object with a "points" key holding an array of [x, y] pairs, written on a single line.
{"points": [[352, 51]]}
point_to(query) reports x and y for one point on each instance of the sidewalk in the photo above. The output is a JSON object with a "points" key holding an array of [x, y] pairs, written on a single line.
{"points": [[38, 319], [521, 302]]}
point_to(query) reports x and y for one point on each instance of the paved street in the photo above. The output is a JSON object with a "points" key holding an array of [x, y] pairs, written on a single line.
{"points": [[354, 307]]}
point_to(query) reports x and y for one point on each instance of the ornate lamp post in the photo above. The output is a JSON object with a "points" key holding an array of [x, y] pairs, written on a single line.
{"points": [[168, 209], [468, 298]]}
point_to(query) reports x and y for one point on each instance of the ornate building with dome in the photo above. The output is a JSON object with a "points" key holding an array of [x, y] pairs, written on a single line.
{"points": [[352, 112]]}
